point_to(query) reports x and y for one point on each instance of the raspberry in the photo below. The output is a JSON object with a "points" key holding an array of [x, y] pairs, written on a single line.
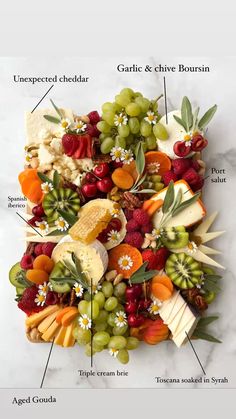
{"points": [[147, 228], [27, 262], [38, 250], [27, 303], [94, 117], [51, 298], [195, 165], [132, 225], [180, 166], [191, 176], [141, 217], [134, 239], [168, 176], [115, 224], [70, 143], [129, 214], [198, 185], [161, 257], [92, 130], [47, 248], [149, 256]]}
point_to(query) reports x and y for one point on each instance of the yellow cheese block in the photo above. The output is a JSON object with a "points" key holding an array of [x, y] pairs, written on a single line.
{"points": [[51, 331], [69, 339], [36, 318], [44, 325], [60, 336]]}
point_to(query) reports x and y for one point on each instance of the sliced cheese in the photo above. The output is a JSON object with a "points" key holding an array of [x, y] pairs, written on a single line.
{"points": [[180, 302], [189, 216], [36, 318], [69, 339], [176, 320], [188, 316], [60, 336], [168, 305], [181, 338], [51, 331], [46, 323]]}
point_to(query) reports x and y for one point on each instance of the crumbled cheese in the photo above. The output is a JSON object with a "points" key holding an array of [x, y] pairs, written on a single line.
{"points": [[44, 134], [56, 145], [44, 155], [78, 179], [85, 164]]}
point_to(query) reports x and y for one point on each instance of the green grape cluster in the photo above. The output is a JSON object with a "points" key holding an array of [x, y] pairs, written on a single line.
{"points": [[103, 308], [154, 182], [131, 118]]}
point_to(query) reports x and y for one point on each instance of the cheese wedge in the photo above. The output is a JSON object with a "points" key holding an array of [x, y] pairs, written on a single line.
{"points": [[46, 323], [168, 305], [181, 338], [60, 336], [36, 318], [176, 321], [189, 216], [51, 331], [69, 339], [176, 309]]}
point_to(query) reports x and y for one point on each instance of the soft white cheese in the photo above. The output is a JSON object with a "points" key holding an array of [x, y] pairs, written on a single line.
{"points": [[45, 156], [56, 145]]}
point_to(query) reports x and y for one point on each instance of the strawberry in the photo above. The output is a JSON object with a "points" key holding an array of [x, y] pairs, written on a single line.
{"points": [[181, 165], [161, 257], [70, 143], [168, 176], [94, 117], [149, 256], [198, 185], [81, 150], [89, 148], [195, 165], [51, 298]]}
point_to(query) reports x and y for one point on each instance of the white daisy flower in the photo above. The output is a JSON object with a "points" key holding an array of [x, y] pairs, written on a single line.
{"points": [[151, 118], [44, 288], [40, 299], [153, 168], [80, 126], [61, 224], [120, 119], [113, 236], [78, 289], [113, 352], [115, 212], [85, 322], [116, 154], [96, 288], [120, 319], [125, 262], [127, 156], [188, 139], [65, 124], [155, 307], [28, 157], [156, 233], [43, 227], [192, 247], [47, 187]]}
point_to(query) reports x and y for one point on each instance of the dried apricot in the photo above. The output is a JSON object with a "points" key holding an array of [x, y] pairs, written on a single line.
{"points": [[164, 280], [37, 276], [43, 262], [161, 292], [122, 178]]}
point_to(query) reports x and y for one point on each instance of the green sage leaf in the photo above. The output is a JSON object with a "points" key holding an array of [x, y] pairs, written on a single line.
{"points": [[178, 199], [205, 336], [52, 119], [204, 321], [186, 204], [195, 119], [56, 109], [152, 191], [44, 178], [186, 113], [56, 180], [140, 159], [142, 277], [180, 122], [204, 121], [56, 233], [169, 197]]}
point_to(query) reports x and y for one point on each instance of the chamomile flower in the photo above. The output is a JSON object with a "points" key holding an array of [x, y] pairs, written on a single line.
{"points": [[47, 187], [78, 289], [85, 322], [42, 226], [40, 299], [156, 233], [151, 118], [96, 288], [44, 288], [192, 247], [80, 126], [28, 157], [116, 154], [113, 236], [153, 168], [155, 307], [113, 352], [61, 224], [65, 124], [120, 319], [120, 119], [188, 139], [127, 156], [125, 262]]}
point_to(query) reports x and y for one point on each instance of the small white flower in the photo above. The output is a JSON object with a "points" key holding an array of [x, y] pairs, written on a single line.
{"points": [[47, 187], [125, 262], [113, 352], [96, 288], [65, 124], [40, 299], [61, 224], [44, 288], [127, 156], [192, 247], [43, 226], [120, 119], [78, 289], [120, 319], [116, 154], [115, 212], [85, 322], [156, 233], [151, 118], [153, 168], [80, 126], [113, 236], [155, 307], [28, 157], [188, 139]]}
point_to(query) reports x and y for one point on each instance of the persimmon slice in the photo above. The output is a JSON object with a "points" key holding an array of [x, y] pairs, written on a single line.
{"points": [[157, 163]]}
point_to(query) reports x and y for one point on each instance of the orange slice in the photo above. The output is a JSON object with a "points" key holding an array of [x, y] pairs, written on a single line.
{"points": [[125, 259], [157, 162]]}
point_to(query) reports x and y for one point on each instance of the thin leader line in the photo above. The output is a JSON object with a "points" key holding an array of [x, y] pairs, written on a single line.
{"points": [[165, 100], [29, 224], [91, 358], [204, 372], [42, 98], [46, 367]]}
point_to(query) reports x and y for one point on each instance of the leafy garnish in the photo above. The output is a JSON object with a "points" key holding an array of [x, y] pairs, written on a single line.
{"points": [[52, 119], [195, 119], [56, 233], [211, 283], [69, 218], [186, 113], [207, 117], [204, 321], [205, 336], [189, 119], [185, 204], [44, 178], [169, 197], [200, 331], [56, 109], [140, 159], [141, 275], [143, 191], [180, 122], [56, 179]]}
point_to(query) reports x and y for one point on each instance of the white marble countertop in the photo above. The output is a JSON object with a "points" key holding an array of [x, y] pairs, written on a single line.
{"points": [[22, 363]]}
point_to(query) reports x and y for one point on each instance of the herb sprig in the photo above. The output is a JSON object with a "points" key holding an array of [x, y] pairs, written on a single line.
{"points": [[140, 166], [200, 331], [141, 275], [75, 273]]}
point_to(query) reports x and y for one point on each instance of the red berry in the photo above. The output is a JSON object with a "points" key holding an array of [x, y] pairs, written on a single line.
{"points": [[38, 211], [132, 225], [101, 170], [105, 185], [131, 307], [27, 302], [130, 294], [134, 239], [195, 165], [47, 248], [144, 304], [191, 176], [89, 190], [198, 185], [94, 117], [115, 224], [103, 236], [198, 143], [38, 250], [116, 164], [135, 320], [51, 298], [168, 176], [161, 258], [181, 165], [90, 178], [141, 216], [129, 214], [138, 290], [70, 143], [33, 221], [27, 262], [149, 256], [147, 228], [181, 149]]}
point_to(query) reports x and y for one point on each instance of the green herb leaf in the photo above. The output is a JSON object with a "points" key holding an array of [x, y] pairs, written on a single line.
{"points": [[69, 218], [52, 119], [177, 200], [169, 197], [141, 269], [56, 179], [139, 181], [144, 191], [186, 204], [56, 233], [180, 122], [204, 121], [142, 277], [56, 109], [140, 159], [204, 321], [186, 113], [195, 119], [81, 278], [211, 283], [44, 178], [205, 336]]}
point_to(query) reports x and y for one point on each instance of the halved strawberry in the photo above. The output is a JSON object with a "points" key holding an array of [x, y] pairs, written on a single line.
{"points": [[70, 143]]}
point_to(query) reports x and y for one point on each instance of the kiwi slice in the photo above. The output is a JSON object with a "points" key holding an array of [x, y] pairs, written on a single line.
{"points": [[60, 199], [59, 271], [14, 275], [183, 270], [174, 237]]}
